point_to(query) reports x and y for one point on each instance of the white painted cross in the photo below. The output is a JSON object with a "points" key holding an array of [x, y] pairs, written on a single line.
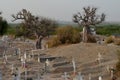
{"points": [[47, 62], [38, 59], [89, 77], [99, 57], [74, 66], [25, 56], [100, 78], [80, 76], [65, 76]]}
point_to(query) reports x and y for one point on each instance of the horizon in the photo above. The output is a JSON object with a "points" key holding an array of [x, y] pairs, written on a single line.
{"points": [[59, 10]]}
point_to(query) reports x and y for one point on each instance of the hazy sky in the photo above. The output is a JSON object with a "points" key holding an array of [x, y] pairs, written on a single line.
{"points": [[60, 9]]}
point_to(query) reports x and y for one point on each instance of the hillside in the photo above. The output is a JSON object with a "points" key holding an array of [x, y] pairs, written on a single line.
{"points": [[85, 55]]}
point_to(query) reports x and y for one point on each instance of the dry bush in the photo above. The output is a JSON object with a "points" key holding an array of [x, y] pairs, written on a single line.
{"points": [[109, 39], [65, 35], [54, 41], [91, 39], [117, 42], [68, 35]]}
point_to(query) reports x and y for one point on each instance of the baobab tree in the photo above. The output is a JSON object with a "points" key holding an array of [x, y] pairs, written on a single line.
{"points": [[38, 26], [87, 19]]}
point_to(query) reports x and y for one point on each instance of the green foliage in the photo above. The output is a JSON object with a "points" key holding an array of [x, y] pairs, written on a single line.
{"points": [[11, 30], [108, 29], [3, 27]]}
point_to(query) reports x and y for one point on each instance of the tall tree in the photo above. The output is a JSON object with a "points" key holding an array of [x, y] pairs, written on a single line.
{"points": [[3, 25], [37, 26], [87, 19]]}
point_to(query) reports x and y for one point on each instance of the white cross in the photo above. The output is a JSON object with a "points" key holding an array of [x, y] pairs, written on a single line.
{"points": [[38, 59], [65, 76], [47, 62], [25, 56], [100, 78], [74, 66], [89, 76]]}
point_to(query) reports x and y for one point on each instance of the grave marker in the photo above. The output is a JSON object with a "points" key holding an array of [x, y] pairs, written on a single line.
{"points": [[74, 66], [65, 76]]}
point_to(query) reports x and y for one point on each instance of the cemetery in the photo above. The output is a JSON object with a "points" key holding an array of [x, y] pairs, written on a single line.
{"points": [[19, 60], [34, 47]]}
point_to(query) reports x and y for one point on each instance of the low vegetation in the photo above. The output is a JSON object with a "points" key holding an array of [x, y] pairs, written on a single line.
{"points": [[110, 39], [65, 35], [108, 29]]}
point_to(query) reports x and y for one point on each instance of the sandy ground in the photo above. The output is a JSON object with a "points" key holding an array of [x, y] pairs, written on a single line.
{"points": [[85, 55]]}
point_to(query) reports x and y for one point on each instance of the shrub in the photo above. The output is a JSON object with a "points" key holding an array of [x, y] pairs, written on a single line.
{"points": [[117, 42], [109, 40], [65, 35], [54, 41], [91, 39], [68, 35]]}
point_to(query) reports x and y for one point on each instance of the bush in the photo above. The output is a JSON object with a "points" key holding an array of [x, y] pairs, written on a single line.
{"points": [[91, 39], [65, 35], [54, 41], [109, 40], [68, 35], [117, 42]]}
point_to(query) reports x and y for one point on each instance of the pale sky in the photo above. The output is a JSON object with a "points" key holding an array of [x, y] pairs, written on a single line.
{"points": [[60, 9]]}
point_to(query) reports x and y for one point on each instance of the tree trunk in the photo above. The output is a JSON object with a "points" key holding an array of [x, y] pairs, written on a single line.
{"points": [[86, 33], [38, 42]]}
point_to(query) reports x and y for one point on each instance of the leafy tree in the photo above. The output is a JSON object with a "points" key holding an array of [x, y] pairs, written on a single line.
{"points": [[3, 26], [37, 26], [87, 19]]}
